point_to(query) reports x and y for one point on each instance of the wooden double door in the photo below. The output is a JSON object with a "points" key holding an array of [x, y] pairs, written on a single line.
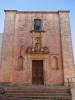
{"points": [[37, 72]]}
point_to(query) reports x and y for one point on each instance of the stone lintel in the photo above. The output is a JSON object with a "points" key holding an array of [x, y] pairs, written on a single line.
{"points": [[38, 56], [33, 31]]}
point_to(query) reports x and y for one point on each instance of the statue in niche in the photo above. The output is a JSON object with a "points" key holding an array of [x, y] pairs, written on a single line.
{"points": [[19, 63], [37, 47], [46, 49], [29, 49]]}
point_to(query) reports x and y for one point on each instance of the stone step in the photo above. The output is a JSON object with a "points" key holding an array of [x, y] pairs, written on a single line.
{"points": [[38, 92], [36, 88], [37, 95]]}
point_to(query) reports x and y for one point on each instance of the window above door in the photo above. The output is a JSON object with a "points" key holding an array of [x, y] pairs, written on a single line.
{"points": [[37, 24]]}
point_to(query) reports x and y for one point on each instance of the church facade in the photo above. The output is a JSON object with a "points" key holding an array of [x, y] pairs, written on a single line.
{"points": [[37, 49]]}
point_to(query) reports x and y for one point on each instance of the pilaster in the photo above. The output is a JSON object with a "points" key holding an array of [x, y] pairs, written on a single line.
{"points": [[7, 49], [67, 54]]}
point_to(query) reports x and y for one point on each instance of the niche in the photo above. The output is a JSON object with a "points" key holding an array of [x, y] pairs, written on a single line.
{"points": [[54, 62], [20, 63]]}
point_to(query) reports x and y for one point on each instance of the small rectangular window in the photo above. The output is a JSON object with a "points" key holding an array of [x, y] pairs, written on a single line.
{"points": [[37, 24]]}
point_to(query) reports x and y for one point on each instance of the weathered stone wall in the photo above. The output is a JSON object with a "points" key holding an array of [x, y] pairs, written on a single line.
{"points": [[67, 53], [51, 38], [7, 47], [1, 38], [18, 37]]}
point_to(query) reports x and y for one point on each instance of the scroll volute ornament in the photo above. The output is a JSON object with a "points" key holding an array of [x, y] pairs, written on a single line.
{"points": [[54, 62], [19, 63]]}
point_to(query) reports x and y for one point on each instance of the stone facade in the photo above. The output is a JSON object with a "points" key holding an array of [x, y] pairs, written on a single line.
{"points": [[1, 38], [56, 36]]}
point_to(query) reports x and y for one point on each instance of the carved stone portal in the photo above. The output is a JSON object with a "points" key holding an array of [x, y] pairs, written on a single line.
{"points": [[37, 43], [37, 60]]}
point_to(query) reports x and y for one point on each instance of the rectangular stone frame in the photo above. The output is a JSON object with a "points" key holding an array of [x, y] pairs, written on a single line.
{"points": [[37, 77], [43, 57]]}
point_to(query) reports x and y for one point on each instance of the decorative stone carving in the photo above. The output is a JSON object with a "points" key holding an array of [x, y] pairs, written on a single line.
{"points": [[37, 40], [37, 49], [29, 49], [46, 50]]}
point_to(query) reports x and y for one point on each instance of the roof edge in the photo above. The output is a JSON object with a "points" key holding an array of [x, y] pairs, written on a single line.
{"points": [[67, 11], [10, 10]]}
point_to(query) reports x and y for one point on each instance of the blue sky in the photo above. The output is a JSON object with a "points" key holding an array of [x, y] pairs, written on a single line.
{"points": [[40, 5]]}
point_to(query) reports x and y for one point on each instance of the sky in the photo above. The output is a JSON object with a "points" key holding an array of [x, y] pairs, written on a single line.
{"points": [[40, 5]]}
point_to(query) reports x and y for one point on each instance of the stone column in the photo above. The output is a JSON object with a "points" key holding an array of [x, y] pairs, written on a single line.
{"points": [[66, 41], [7, 49]]}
